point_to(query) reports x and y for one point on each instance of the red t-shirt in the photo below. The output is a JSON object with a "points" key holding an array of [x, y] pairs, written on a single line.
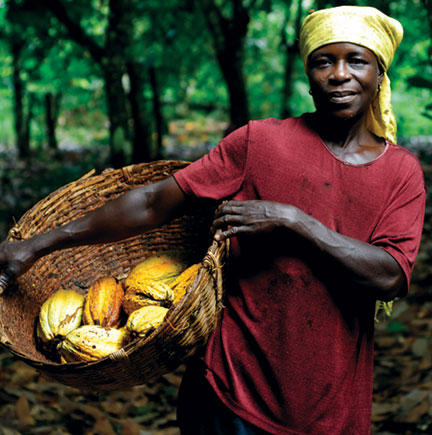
{"points": [[293, 352]]}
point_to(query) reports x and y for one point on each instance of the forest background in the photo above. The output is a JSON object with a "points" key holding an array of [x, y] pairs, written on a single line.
{"points": [[127, 81], [104, 83]]}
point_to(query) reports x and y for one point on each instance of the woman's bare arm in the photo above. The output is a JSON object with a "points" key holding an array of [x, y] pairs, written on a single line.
{"points": [[369, 267], [131, 213]]}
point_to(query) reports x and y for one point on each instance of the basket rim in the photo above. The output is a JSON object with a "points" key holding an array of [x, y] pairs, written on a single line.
{"points": [[209, 265], [125, 176]]}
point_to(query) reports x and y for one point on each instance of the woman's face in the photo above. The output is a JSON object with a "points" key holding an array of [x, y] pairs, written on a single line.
{"points": [[344, 79]]}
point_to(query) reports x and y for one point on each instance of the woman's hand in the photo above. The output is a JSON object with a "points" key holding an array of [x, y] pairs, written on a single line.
{"points": [[250, 217], [369, 267], [15, 259]]}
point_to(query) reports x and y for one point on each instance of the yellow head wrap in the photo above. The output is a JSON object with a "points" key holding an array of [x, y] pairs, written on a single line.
{"points": [[370, 28]]}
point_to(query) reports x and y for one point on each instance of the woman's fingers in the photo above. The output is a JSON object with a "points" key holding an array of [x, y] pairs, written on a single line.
{"points": [[252, 217], [228, 219], [235, 217], [5, 278], [231, 207], [232, 231], [15, 258], [238, 208]]}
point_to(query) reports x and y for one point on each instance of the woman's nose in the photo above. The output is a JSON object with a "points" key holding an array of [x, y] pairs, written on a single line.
{"points": [[340, 71]]}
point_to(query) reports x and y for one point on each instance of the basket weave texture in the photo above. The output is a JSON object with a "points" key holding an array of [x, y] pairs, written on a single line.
{"points": [[187, 325]]}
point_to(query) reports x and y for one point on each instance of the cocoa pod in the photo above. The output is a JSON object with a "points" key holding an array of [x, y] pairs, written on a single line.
{"points": [[145, 320], [92, 342], [103, 303], [60, 314], [147, 292], [183, 281], [160, 267]]}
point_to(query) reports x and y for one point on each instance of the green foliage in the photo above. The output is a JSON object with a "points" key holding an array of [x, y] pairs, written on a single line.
{"points": [[396, 327], [411, 71], [172, 36]]}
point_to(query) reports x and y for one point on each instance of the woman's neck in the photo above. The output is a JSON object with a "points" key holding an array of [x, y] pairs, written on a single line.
{"points": [[339, 132], [349, 139]]}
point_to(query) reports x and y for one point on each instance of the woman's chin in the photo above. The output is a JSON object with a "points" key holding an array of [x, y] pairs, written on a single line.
{"points": [[342, 115]]}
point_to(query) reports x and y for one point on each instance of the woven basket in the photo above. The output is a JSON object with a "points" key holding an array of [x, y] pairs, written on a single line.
{"points": [[187, 325]]}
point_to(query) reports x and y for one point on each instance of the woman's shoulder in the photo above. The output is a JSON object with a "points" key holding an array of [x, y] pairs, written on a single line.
{"points": [[404, 165], [276, 126], [403, 155], [275, 122]]}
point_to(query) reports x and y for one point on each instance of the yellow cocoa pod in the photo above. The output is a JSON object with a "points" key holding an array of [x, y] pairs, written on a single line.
{"points": [[183, 281], [145, 320], [91, 342], [147, 292], [103, 303], [161, 267], [60, 314]]}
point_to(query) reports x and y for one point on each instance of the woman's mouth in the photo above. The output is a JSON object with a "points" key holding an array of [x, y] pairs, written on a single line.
{"points": [[341, 97]]}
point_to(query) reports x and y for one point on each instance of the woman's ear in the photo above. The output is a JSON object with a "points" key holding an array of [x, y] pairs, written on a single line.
{"points": [[380, 74], [380, 78]]}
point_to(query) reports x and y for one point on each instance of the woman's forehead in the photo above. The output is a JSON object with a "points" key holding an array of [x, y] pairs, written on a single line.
{"points": [[342, 48]]}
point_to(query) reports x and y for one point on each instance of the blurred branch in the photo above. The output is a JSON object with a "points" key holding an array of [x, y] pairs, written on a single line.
{"points": [[228, 39], [76, 31], [216, 22], [428, 6], [291, 51]]}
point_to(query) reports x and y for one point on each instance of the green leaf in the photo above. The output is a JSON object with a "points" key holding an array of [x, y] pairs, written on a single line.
{"points": [[395, 326], [419, 82]]}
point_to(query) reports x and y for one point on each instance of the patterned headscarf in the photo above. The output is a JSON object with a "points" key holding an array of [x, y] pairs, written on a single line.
{"points": [[370, 28]]}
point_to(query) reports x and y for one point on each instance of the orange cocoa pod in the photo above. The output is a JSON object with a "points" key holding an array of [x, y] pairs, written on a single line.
{"points": [[159, 267], [147, 292], [103, 303], [183, 282]]}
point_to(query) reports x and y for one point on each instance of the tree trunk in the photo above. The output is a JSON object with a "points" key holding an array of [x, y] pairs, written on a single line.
{"points": [[287, 90], [228, 39], [322, 4], [141, 151], [428, 6], [22, 132], [117, 52], [157, 112], [52, 108], [117, 111], [231, 64], [28, 118], [112, 59], [291, 51], [383, 6]]}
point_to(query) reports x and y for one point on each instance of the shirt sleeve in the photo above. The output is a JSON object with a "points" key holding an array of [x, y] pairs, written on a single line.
{"points": [[220, 173], [400, 226]]}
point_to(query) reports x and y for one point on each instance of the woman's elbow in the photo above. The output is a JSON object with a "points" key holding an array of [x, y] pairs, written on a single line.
{"points": [[394, 286]]}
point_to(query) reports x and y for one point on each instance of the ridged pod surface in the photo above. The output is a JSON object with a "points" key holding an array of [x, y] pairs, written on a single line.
{"points": [[60, 314], [143, 321], [91, 342], [103, 303], [183, 281], [159, 267], [147, 292]]}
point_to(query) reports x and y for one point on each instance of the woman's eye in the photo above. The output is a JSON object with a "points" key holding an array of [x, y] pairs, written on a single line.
{"points": [[319, 63], [357, 61]]}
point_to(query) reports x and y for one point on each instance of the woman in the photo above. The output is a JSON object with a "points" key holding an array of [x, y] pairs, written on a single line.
{"points": [[325, 218]]}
